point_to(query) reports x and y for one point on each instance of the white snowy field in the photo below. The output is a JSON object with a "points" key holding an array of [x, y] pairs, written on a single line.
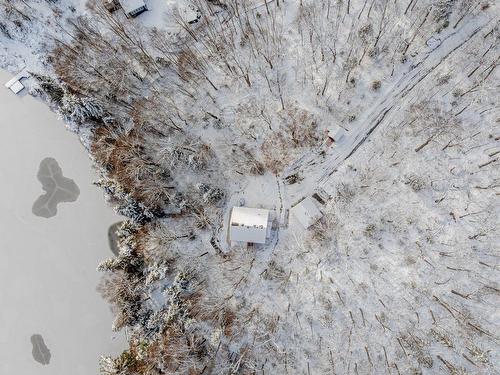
{"points": [[48, 271]]}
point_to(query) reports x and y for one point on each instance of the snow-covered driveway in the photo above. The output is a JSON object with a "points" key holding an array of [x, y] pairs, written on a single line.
{"points": [[317, 169]]}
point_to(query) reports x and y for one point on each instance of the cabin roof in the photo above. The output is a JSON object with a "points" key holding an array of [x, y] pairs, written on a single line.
{"points": [[248, 224], [335, 132], [130, 6], [306, 212], [15, 84], [16, 87]]}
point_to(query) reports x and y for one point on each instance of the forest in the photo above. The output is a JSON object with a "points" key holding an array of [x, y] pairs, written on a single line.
{"points": [[400, 276]]}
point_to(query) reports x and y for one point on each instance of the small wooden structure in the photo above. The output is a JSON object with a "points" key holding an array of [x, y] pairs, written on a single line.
{"points": [[250, 225], [15, 85], [334, 133], [306, 212]]}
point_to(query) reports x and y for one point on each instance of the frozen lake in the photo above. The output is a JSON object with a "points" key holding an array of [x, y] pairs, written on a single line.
{"points": [[54, 231]]}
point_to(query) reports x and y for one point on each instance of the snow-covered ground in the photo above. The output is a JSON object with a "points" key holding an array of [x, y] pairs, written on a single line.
{"points": [[162, 14]]}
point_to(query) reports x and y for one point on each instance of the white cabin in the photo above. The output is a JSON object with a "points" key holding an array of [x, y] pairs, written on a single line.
{"points": [[249, 225], [133, 8], [15, 84], [335, 133], [306, 212]]}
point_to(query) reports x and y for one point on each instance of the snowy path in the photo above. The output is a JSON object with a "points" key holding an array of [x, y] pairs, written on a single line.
{"points": [[317, 170]]}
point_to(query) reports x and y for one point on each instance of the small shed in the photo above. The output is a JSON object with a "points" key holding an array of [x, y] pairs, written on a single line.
{"points": [[15, 85], [249, 225], [133, 8], [306, 212], [335, 133]]}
